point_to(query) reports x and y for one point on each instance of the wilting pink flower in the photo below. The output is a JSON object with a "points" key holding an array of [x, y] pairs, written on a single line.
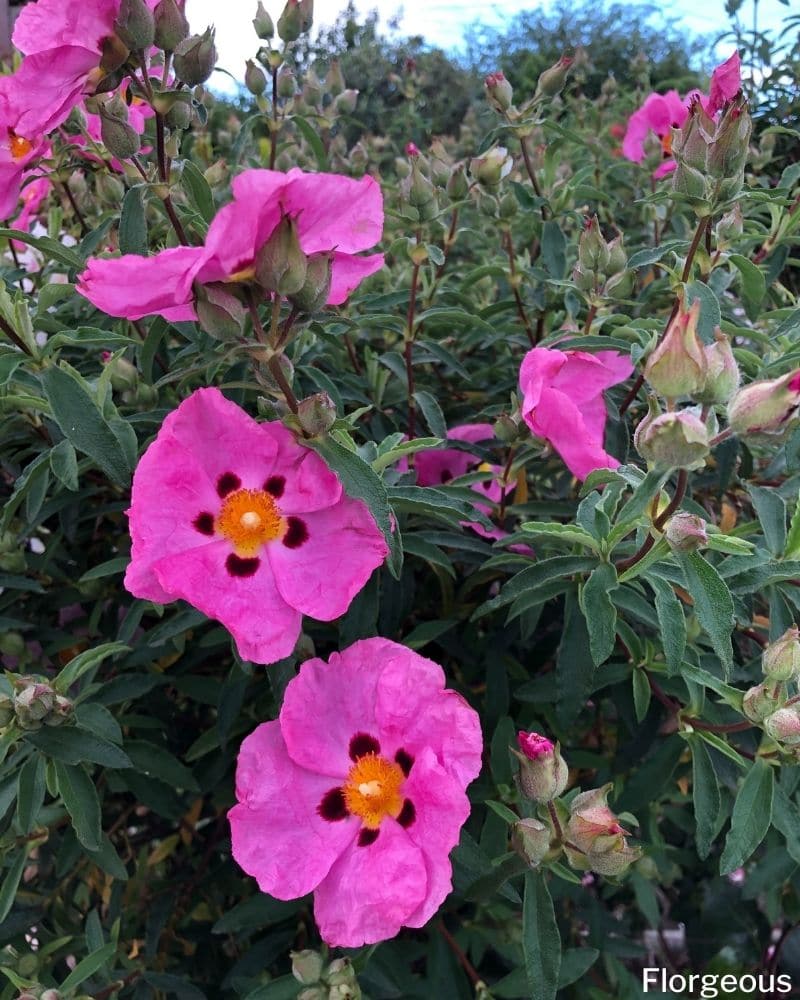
{"points": [[356, 793], [332, 213], [660, 113], [563, 402], [238, 519]]}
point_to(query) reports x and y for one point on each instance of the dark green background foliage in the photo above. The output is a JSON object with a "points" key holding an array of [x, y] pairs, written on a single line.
{"points": [[115, 846]]}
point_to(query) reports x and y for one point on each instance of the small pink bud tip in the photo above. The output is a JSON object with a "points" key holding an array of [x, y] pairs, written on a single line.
{"points": [[105, 356], [411, 149], [533, 745]]}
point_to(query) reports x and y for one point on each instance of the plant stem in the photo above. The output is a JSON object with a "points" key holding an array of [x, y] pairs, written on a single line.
{"points": [[523, 315], [64, 185], [409, 353], [660, 521], [163, 173], [273, 139], [526, 156]]}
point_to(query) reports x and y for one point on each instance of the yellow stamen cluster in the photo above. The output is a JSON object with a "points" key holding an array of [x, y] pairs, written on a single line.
{"points": [[248, 519], [372, 790]]}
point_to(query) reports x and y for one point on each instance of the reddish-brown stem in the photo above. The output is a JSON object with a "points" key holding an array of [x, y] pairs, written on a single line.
{"points": [[512, 267], [64, 185], [13, 336], [660, 521], [163, 173], [526, 156], [351, 351], [555, 821], [587, 328], [457, 950], [504, 484]]}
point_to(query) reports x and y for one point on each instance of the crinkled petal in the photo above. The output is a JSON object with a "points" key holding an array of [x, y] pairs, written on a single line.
{"points": [[277, 834], [348, 272], [134, 286], [48, 24], [309, 484], [370, 892], [726, 82], [10, 183], [335, 212], [560, 421], [586, 375], [50, 85], [263, 625]]}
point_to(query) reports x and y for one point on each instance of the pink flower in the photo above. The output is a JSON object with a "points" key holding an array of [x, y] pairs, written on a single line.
{"points": [[238, 519], [21, 144], [563, 402], [534, 745], [357, 792], [333, 213], [660, 113], [33, 196]]}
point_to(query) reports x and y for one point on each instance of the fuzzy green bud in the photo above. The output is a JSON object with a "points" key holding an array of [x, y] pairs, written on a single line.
{"points": [[722, 371], [765, 407], [781, 659], [489, 169], [499, 92], [551, 81], [307, 966], [170, 24], [593, 251], [617, 257], [345, 103], [281, 265], [678, 366], [219, 314], [33, 703], [179, 116], [135, 24], [543, 772], [317, 287], [334, 80], [673, 440], [296, 19], [262, 23], [457, 183], [195, 58], [686, 532], [783, 726], [317, 413], [531, 840], [287, 83], [727, 153], [762, 700], [596, 832], [119, 138], [254, 79]]}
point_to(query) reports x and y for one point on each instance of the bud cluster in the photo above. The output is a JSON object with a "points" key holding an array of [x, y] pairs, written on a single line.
{"points": [[336, 981], [34, 704], [768, 704], [500, 93], [601, 269]]}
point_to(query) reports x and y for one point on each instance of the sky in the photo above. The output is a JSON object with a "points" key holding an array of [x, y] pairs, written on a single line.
{"points": [[440, 22]]}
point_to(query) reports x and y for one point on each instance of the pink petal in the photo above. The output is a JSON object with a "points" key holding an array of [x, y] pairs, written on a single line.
{"points": [[726, 82], [310, 485], [436, 466], [48, 24], [442, 808], [370, 892], [335, 212], [277, 835], [50, 85], [664, 169], [586, 375], [348, 273], [658, 114], [559, 421], [10, 183], [264, 627], [134, 286]]}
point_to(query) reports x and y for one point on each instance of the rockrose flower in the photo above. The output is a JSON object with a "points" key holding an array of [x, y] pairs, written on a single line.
{"points": [[563, 402], [356, 793], [238, 519], [21, 144], [333, 214], [660, 113]]}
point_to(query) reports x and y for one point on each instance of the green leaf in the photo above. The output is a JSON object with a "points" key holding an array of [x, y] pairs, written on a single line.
{"points": [[792, 549], [671, 621], [8, 890], [753, 285], [705, 795], [575, 963], [360, 481], [64, 464], [599, 611], [645, 257], [575, 667], [71, 745], [535, 577], [110, 568], [710, 314], [158, 762], [387, 458], [30, 792], [641, 693], [541, 941], [569, 534], [432, 412], [83, 805], [133, 222], [771, 510], [83, 425], [554, 249], [84, 661], [752, 815], [309, 133], [713, 603], [52, 249], [88, 966], [198, 190]]}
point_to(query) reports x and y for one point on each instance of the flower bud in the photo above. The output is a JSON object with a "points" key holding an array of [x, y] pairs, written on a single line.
{"points": [[170, 24], [254, 79], [195, 58], [596, 833], [306, 966], [674, 440], [620, 285], [727, 153], [722, 371], [281, 265], [62, 710], [287, 83], [119, 138], [678, 366], [359, 159], [219, 313], [296, 19], [730, 226], [531, 840], [334, 80], [686, 532], [262, 22], [179, 116], [457, 184], [762, 700], [506, 429], [593, 251], [499, 91], [780, 660], [50, 995], [783, 726], [340, 973], [135, 24], [418, 189], [314, 993], [489, 169], [551, 81], [6, 710], [543, 773], [317, 414], [689, 143], [317, 287], [123, 374], [345, 103], [617, 257], [689, 182], [765, 407], [35, 701]]}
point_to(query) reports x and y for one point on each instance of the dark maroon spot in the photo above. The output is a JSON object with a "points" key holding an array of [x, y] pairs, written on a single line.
{"points": [[407, 814], [275, 486], [405, 760], [237, 566], [362, 744], [204, 523], [487, 484], [296, 533], [446, 475], [367, 837], [332, 807], [227, 483]]}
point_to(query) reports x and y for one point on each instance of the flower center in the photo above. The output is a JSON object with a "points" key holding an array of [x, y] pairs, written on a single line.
{"points": [[248, 519], [19, 146], [666, 144], [244, 274], [372, 790]]}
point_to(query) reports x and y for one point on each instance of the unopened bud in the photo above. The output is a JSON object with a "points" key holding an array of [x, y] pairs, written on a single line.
{"points": [[781, 659], [287, 83], [341, 973], [765, 407], [531, 840], [296, 19], [219, 314], [345, 103], [195, 58], [552, 80], [317, 414], [254, 79], [122, 373], [762, 700], [135, 24], [489, 169], [499, 91], [506, 429], [678, 366], [784, 725], [727, 153], [119, 138], [543, 773], [35, 701], [171, 25], [617, 257], [281, 265], [306, 966], [457, 184], [262, 23], [317, 286], [418, 189], [593, 251], [674, 440], [596, 833], [6, 710], [179, 116], [730, 226], [334, 80], [722, 371], [686, 532], [62, 710]]}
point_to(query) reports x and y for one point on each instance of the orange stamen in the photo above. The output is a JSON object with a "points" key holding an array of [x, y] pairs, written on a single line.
{"points": [[372, 790], [249, 519]]}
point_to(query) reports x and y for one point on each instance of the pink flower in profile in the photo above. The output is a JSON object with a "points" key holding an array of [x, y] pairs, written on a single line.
{"points": [[33, 196], [333, 214], [21, 144], [238, 519], [357, 791], [563, 402], [660, 113]]}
